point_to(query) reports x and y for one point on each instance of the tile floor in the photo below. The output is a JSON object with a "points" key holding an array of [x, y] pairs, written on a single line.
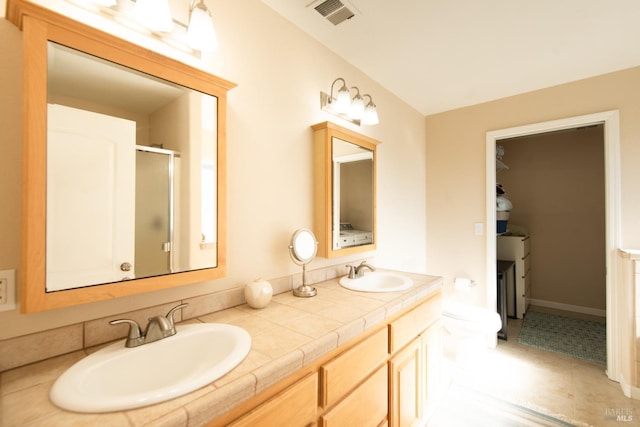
{"points": [[567, 388]]}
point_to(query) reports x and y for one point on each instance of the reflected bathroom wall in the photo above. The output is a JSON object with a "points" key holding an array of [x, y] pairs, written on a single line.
{"points": [[356, 194]]}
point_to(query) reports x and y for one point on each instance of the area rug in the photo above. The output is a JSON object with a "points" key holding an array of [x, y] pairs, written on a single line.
{"points": [[584, 339], [463, 407]]}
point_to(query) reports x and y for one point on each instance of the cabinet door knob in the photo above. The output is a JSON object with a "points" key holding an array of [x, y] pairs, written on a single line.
{"points": [[125, 266]]}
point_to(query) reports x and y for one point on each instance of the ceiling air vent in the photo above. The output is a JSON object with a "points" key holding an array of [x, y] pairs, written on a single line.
{"points": [[334, 11]]}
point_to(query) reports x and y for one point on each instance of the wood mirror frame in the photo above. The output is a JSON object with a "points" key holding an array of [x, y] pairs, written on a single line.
{"points": [[323, 134], [40, 25]]}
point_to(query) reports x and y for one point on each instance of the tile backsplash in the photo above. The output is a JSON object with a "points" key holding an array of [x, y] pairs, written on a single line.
{"points": [[26, 349]]}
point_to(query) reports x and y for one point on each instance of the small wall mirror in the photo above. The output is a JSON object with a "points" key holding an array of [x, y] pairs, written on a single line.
{"points": [[303, 249], [124, 166], [345, 190]]}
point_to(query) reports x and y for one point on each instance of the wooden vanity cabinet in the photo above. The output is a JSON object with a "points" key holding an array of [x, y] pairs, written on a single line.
{"points": [[343, 373], [356, 379], [364, 406], [388, 377], [432, 380], [414, 366], [296, 406], [405, 407]]}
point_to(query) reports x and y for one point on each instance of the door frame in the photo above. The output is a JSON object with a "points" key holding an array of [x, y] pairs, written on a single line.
{"points": [[615, 300]]}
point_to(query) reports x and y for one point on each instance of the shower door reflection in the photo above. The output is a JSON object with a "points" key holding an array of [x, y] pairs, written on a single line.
{"points": [[155, 213]]}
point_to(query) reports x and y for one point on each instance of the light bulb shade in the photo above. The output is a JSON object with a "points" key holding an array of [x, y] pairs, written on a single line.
{"points": [[343, 100], [105, 3], [356, 111], [154, 14], [201, 34], [370, 115]]}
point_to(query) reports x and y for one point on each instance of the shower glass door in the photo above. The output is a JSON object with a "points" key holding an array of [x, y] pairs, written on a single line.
{"points": [[154, 238]]}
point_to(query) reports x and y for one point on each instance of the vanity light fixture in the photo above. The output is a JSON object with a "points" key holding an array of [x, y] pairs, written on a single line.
{"points": [[201, 34], [351, 109], [154, 14], [153, 17]]}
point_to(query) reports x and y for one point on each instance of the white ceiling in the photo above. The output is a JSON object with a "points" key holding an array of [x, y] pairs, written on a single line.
{"points": [[438, 55]]}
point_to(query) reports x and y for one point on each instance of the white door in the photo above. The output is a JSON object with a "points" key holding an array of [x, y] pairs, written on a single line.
{"points": [[90, 198]]}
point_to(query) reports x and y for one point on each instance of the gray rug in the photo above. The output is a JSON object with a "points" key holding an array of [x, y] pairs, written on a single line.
{"points": [[463, 407], [584, 339]]}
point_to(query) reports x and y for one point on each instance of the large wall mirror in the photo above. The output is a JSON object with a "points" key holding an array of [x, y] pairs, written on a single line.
{"points": [[124, 166], [345, 190]]}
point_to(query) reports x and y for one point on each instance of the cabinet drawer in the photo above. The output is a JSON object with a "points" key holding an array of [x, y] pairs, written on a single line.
{"points": [[525, 265], [365, 406], [344, 372], [409, 326], [299, 402]]}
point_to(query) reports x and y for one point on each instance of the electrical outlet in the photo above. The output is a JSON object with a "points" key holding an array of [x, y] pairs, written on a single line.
{"points": [[3, 291], [7, 290]]}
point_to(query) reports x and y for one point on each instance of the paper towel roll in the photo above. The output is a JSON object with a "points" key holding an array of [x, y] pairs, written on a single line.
{"points": [[461, 283]]}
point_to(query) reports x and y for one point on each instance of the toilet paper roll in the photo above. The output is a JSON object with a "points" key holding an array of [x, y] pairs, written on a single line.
{"points": [[461, 283]]}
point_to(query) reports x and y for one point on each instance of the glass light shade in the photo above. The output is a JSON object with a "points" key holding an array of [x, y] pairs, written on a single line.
{"points": [[201, 34], [343, 100], [154, 14], [370, 115], [105, 3], [356, 111]]}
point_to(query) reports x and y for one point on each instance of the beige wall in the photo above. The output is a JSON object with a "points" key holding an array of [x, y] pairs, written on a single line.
{"points": [[556, 184], [280, 72], [456, 164]]}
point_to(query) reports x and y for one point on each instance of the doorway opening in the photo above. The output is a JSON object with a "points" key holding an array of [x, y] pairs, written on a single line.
{"points": [[614, 300]]}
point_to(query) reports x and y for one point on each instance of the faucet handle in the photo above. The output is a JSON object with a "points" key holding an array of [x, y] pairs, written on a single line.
{"points": [[134, 338], [352, 271], [172, 312]]}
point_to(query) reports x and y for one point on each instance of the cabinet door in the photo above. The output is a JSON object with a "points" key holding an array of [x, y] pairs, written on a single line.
{"points": [[295, 406], [406, 371], [432, 382], [366, 406]]}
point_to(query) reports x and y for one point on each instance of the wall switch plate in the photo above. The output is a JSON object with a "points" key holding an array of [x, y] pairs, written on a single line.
{"points": [[7, 290], [478, 228]]}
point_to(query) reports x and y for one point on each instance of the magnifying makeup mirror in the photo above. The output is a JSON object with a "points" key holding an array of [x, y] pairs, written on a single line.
{"points": [[303, 249]]}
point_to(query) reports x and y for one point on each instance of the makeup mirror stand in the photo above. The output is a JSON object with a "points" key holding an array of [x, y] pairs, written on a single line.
{"points": [[303, 249]]}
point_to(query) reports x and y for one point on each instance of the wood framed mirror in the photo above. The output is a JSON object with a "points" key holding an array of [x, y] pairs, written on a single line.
{"points": [[344, 190], [162, 141]]}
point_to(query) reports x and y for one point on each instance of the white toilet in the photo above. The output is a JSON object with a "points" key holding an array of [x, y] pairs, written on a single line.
{"points": [[469, 330]]}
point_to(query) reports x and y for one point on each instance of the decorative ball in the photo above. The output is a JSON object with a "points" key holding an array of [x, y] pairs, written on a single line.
{"points": [[258, 293]]}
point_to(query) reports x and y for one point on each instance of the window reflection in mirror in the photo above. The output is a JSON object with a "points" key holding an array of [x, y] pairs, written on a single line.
{"points": [[131, 174], [353, 194]]}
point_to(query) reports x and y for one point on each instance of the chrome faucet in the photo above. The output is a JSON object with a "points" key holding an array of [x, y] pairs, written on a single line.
{"points": [[159, 327], [357, 272]]}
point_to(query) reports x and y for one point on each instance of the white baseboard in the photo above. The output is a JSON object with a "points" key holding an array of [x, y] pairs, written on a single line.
{"points": [[568, 307], [629, 390]]}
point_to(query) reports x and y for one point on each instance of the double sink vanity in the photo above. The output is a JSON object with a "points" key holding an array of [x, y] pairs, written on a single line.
{"points": [[340, 358]]}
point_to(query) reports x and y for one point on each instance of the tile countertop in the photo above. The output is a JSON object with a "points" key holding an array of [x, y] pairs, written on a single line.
{"points": [[288, 334]]}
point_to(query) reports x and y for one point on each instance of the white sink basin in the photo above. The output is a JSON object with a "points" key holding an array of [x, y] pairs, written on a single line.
{"points": [[377, 282], [117, 378]]}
